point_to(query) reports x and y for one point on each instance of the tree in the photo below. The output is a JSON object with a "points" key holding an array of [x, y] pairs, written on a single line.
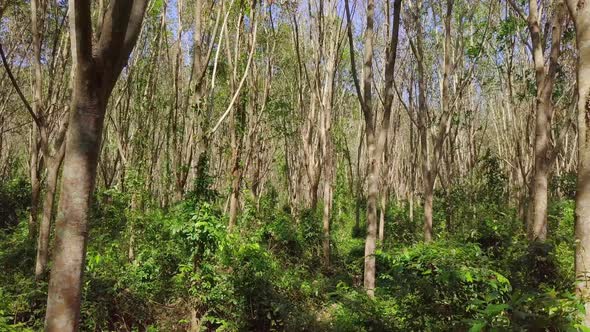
{"points": [[375, 135], [48, 115], [545, 80], [97, 68], [580, 13]]}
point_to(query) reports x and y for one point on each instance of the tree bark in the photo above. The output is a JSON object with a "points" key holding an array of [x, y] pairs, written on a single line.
{"points": [[79, 174], [48, 204], [544, 113], [375, 139], [371, 239], [35, 184], [428, 205], [382, 212], [427, 176], [236, 179], [96, 72], [37, 110], [580, 13], [326, 219]]}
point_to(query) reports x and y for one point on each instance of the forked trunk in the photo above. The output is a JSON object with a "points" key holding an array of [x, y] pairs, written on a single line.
{"points": [[71, 229]]}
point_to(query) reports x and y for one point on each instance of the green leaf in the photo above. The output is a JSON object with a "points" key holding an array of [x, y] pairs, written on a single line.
{"points": [[478, 326]]}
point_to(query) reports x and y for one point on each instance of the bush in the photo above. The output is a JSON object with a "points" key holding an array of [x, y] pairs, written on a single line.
{"points": [[441, 286], [15, 200]]}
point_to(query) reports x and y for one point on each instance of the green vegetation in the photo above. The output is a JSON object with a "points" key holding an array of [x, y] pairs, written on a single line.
{"points": [[268, 275]]}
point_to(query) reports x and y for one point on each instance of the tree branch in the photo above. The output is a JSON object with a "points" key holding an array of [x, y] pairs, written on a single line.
{"points": [[17, 88], [81, 31], [517, 9], [353, 70]]}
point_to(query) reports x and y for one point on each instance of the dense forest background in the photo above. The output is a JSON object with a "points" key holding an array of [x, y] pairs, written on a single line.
{"points": [[317, 165]]}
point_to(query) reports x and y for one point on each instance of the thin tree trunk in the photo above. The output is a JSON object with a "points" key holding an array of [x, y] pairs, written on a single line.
{"points": [[326, 219], [428, 202], [236, 168], [537, 224], [38, 132], [35, 184], [427, 183], [48, 204], [375, 142], [359, 182], [382, 216], [372, 194]]}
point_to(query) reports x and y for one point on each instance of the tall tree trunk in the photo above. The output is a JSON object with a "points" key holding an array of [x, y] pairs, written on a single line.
{"points": [[375, 140], [427, 183], [431, 160], [372, 194], [78, 179], [580, 12], [38, 132], [96, 72], [544, 112], [538, 226]]}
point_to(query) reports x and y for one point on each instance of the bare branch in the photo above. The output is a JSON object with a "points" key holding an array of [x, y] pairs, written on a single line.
{"points": [[17, 88]]}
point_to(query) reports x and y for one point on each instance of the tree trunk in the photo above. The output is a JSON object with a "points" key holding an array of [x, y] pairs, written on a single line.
{"points": [[382, 216], [234, 197], [371, 239], [35, 184], [78, 179], [326, 219], [428, 202], [544, 112], [38, 111], [359, 181], [411, 208], [580, 12], [542, 128], [97, 69], [45, 228], [236, 168], [426, 161]]}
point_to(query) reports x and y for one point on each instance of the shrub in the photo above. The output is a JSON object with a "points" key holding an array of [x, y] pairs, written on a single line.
{"points": [[441, 286], [15, 199]]}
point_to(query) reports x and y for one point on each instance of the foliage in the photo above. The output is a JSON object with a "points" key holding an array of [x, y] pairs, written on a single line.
{"points": [[451, 284], [15, 198], [268, 276]]}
